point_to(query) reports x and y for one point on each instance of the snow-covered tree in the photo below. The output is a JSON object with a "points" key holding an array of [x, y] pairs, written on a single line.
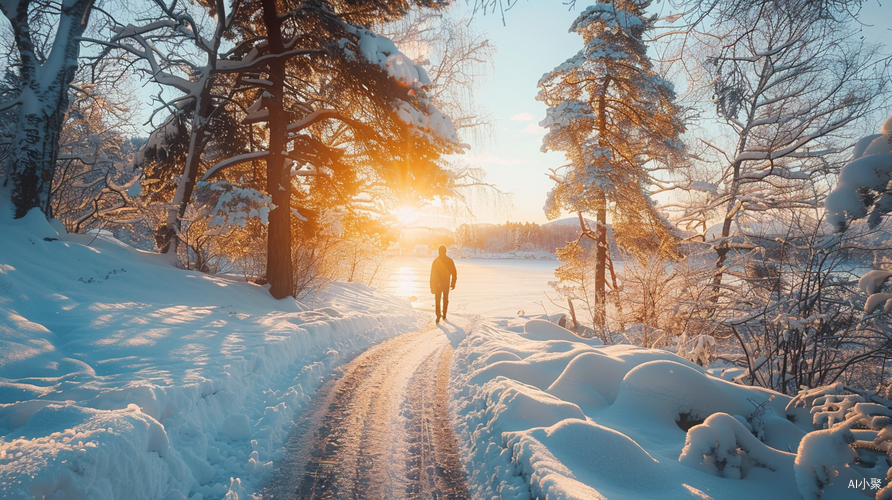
{"points": [[797, 315], [196, 106], [616, 121], [788, 83], [329, 92], [93, 180], [47, 39]]}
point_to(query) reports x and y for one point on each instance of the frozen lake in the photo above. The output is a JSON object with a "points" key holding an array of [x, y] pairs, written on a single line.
{"points": [[490, 287]]}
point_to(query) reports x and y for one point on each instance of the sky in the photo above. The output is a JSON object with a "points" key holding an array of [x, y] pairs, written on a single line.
{"points": [[533, 40]]}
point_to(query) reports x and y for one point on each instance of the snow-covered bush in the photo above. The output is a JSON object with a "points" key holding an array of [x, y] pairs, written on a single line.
{"points": [[702, 349], [576, 284], [336, 247], [801, 325], [229, 205], [853, 432], [871, 283], [222, 229], [863, 186], [724, 447], [821, 455], [651, 297]]}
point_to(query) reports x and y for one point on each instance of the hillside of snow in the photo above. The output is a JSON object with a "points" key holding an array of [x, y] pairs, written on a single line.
{"points": [[123, 377]]}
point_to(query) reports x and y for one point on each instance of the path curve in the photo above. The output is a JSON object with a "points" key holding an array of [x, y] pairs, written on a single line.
{"points": [[381, 430]]}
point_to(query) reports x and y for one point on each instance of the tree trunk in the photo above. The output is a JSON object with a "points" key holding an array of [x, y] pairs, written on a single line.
{"points": [[30, 166], [723, 248], [44, 103], [601, 240], [601, 263], [573, 315], [197, 142], [278, 184]]}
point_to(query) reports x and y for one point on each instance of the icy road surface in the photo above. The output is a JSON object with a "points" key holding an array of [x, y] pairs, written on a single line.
{"points": [[380, 430]]}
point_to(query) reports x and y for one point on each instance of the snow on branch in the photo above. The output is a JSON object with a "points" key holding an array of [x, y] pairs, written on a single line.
{"points": [[235, 160], [319, 115], [565, 114], [607, 15], [863, 182], [231, 205], [820, 457], [876, 299], [760, 54], [419, 112], [724, 447], [871, 282], [148, 53], [255, 61]]}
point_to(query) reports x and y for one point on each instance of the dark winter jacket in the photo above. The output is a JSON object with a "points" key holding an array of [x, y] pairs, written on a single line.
{"points": [[441, 270]]}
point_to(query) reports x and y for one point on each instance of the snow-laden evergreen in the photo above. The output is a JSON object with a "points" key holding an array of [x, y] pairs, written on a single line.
{"points": [[615, 119]]}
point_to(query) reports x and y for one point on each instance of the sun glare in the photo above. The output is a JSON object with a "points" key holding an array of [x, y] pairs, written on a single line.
{"points": [[406, 215]]}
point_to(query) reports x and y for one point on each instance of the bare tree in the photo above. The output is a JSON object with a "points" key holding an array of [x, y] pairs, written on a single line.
{"points": [[788, 84], [797, 319], [194, 79], [93, 175]]}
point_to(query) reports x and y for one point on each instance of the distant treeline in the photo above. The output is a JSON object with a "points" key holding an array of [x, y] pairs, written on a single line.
{"points": [[524, 236]]}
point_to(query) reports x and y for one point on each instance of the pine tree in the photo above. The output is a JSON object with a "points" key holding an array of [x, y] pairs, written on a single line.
{"points": [[615, 119]]}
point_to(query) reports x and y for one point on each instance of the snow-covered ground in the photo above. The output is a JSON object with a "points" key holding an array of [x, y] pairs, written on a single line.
{"points": [[122, 377], [543, 414]]}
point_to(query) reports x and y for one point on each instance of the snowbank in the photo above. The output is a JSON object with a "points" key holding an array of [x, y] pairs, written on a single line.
{"points": [[543, 414], [122, 377]]}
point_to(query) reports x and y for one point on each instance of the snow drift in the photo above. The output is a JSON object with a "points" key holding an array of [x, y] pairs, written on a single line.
{"points": [[543, 414]]}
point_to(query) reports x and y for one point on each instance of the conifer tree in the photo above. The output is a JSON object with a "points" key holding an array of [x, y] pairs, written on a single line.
{"points": [[615, 119]]}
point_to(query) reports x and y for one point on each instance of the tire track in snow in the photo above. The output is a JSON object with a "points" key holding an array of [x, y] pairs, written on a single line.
{"points": [[382, 430]]}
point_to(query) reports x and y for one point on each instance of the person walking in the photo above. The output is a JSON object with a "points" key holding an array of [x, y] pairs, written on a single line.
{"points": [[442, 270]]}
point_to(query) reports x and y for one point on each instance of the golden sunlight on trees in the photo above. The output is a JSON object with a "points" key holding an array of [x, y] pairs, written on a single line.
{"points": [[310, 112]]}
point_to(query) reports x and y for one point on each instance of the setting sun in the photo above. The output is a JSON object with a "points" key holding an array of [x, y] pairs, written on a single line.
{"points": [[406, 215]]}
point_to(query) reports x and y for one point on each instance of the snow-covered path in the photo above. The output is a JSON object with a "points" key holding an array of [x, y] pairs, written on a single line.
{"points": [[380, 430]]}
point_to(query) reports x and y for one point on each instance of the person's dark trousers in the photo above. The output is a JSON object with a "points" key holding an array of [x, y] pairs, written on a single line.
{"points": [[445, 293]]}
